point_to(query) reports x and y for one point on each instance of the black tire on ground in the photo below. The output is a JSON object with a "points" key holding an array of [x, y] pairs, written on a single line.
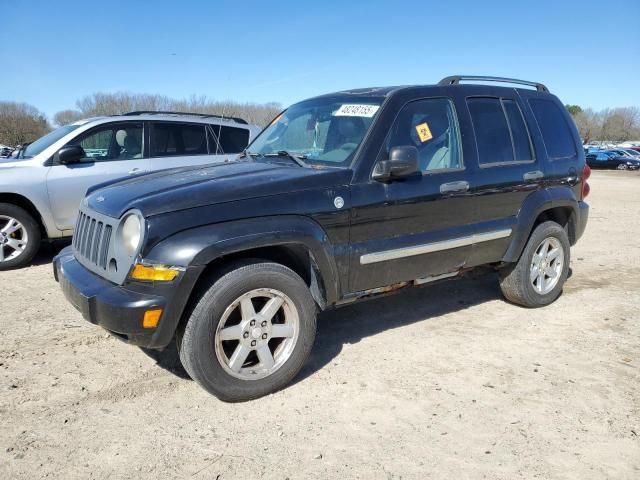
{"points": [[515, 279], [197, 341], [33, 234]]}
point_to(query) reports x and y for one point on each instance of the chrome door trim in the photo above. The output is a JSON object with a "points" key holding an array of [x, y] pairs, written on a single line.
{"points": [[397, 253]]}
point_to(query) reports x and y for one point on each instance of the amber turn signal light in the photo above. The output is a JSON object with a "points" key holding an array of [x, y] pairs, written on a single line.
{"points": [[151, 318], [156, 273]]}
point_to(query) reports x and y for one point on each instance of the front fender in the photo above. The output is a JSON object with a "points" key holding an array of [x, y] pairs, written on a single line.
{"points": [[202, 245]]}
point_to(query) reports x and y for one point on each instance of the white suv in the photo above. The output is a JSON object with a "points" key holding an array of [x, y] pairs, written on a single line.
{"points": [[41, 189]]}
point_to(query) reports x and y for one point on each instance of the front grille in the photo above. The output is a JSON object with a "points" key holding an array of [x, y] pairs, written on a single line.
{"points": [[92, 239]]}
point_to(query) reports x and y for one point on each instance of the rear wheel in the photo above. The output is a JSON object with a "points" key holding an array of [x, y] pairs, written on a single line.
{"points": [[19, 237], [537, 278], [250, 333]]}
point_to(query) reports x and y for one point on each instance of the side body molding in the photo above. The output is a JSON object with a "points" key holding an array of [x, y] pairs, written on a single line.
{"points": [[534, 205], [200, 246]]}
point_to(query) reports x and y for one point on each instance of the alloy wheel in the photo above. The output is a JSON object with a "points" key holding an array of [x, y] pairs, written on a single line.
{"points": [[257, 334], [13, 238], [546, 265]]}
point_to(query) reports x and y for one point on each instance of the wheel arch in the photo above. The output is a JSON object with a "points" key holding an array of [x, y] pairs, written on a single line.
{"points": [[26, 204], [294, 241], [556, 204]]}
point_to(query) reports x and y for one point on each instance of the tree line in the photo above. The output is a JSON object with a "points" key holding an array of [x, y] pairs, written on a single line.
{"points": [[21, 122], [615, 125]]}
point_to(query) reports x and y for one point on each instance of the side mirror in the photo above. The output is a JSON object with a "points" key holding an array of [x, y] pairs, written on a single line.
{"points": [[71, 154], [403, 162]]}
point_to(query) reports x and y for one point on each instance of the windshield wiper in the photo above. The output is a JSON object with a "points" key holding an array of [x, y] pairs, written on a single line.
{"points": [[247, 153], [298, 159]]}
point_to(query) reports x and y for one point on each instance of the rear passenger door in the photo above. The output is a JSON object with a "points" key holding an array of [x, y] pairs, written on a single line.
{"points": [[508, 171], [179, 144]]}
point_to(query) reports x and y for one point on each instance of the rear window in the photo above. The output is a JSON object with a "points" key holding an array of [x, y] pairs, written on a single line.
{"points": [[556, 133], [173, 139], [231, 139], [501, 133]]}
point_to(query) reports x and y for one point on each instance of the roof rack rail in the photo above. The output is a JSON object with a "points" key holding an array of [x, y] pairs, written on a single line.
{"points": [[202, 115], [456, 79]]}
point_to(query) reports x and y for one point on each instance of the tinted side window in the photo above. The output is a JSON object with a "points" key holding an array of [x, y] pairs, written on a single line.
{"points": [[232, 140], [555, 130], [431, 126], [492, 131], [519, 132], [172, 139]]}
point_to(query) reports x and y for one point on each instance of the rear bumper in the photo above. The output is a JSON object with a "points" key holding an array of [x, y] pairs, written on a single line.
{"points": [[120, 309], [582, 215]]}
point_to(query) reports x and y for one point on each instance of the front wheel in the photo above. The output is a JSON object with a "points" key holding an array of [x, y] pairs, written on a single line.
{"points": [[537, 278], [250, 333], [19, 237]]}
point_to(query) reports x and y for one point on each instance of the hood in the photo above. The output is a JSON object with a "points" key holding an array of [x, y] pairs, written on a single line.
{"points": [[190, 187]]}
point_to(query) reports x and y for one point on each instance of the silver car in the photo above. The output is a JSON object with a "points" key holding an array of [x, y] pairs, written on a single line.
{"points": [[41, 189]]}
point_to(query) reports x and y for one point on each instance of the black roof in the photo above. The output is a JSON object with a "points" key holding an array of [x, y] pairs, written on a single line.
{"points": [[447, 81]]}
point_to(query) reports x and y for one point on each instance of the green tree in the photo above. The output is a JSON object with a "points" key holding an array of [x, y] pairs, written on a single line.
{"points": [[574, 109]]}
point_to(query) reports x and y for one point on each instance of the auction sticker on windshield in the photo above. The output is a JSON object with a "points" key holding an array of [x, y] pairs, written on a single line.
{"points": [[355, 110]]}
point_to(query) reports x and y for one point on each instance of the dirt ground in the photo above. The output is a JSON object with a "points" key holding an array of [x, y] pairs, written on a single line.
{"points": [[446, 381]]}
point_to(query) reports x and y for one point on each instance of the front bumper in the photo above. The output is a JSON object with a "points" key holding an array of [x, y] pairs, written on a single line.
{"points": [[120, 308]]}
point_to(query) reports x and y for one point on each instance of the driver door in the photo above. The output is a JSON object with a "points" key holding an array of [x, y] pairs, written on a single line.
{"points": [[418, 226], [112, 151]]}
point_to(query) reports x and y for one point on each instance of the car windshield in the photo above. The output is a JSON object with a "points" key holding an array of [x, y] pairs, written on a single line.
{"points": [[322, 132], [50, 138]]}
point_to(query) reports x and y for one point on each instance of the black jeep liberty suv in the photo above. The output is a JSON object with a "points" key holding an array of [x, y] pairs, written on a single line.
{"points": [[342, 197]]}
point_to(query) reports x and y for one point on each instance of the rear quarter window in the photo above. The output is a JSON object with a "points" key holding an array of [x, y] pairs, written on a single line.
{"points": [[556, 132], [232, 140]]}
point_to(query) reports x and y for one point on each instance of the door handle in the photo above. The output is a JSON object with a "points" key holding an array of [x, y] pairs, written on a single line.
{"points": [[451, 187], [133, 171], [535, 175]]}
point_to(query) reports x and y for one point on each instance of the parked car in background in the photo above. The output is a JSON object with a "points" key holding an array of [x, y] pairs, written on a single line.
{"points": [[342, 197], [631, 153], [41, 188], [5, 151], [621, 152], [612, 160]]}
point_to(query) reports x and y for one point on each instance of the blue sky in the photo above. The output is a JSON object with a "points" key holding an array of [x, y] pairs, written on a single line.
{"points": [[54, 52]]}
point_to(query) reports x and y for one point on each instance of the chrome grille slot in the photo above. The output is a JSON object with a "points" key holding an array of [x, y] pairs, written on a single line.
{"points": [[89, 242], [96, 243], [105, 247], [77, 237]]}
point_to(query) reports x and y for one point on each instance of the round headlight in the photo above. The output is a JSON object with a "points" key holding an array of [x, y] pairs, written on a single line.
{"points": [[131, 234]]}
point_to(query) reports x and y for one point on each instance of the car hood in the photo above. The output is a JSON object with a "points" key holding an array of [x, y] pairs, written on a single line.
{"points": [[190, 187]]}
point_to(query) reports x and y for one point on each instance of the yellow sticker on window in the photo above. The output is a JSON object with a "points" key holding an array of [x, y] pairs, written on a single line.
{"points": [[424, 132]]}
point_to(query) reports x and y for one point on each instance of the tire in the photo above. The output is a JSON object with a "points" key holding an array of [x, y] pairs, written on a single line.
{"points": [[521, 283], [208, 354], [27, 236]]}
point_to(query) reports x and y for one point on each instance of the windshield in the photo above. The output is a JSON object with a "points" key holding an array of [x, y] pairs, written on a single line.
{"points": [[50, 138], [324, 131]]}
